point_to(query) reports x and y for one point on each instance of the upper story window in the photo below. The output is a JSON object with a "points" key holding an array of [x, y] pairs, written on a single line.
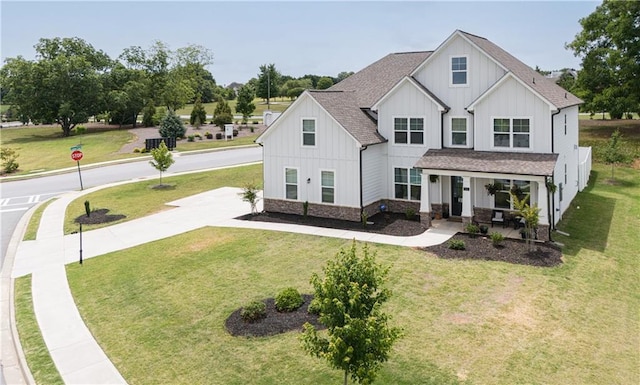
{"points": [[408, 130], [308, 132], [511, 132], [407, 183], [291, 183], [458, 131], [327, 182], [459, 70]]}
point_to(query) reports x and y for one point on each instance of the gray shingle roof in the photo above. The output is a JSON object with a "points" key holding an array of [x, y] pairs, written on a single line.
{"points": [[343, 106], [374, 81], [555, 94], [521, 163]]}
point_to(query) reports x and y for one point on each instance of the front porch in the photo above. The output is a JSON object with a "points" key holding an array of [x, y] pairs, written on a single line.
{"points": [[453, 224]]}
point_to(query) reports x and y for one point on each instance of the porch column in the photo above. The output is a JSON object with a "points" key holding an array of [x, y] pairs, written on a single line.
{"points": [[466, 200], [543, 218], [425, 200]]}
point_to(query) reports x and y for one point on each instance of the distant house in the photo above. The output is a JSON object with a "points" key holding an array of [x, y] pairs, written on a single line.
{"points": [[235, 86], [427, 131], [556, 75]]}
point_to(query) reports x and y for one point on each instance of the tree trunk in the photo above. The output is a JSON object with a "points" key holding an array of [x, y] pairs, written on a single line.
{"points": [[346, 372]]}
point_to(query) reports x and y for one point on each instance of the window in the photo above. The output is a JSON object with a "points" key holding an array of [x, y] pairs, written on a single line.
{"points": [[408, 130], [458, 131], [291, 183], [328, 186], [509, 132], [308, 132], [459, 70], [502, 198], [407, 183]]}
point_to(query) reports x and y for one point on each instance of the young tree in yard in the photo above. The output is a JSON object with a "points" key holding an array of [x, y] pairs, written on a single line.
{"points": [[8, 157], [171, 126], [162, 159], [198, 114], [222, 113], [613, 152], [245, 104], [349, 299], [250, 194], [530, 214]]}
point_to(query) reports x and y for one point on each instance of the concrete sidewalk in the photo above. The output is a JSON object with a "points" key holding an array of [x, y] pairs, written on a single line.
{"points": [[76, 354]]}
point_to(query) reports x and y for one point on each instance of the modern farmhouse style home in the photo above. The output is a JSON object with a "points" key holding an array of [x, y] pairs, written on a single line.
{"points": [[444, 132]]}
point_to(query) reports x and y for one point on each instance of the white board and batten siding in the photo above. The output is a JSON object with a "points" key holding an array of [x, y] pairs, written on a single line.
{"points": [[335, 150], [374, 173], [435, 75], [513, 100], [566, 147]]}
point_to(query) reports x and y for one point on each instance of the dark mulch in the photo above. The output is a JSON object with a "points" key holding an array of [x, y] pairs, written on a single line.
{"points": [[98, 216], [275, 322], [387, 223], [512, 251]]}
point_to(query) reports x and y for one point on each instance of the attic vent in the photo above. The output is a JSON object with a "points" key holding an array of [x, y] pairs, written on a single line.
{"points": [[565, 95], [534, 80]]}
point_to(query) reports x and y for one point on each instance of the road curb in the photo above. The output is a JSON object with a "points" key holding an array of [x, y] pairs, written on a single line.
{"points": [[15, 353]]}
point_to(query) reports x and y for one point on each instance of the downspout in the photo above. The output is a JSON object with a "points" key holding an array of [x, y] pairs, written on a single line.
{"points": [[361, 189], [552, 207]]}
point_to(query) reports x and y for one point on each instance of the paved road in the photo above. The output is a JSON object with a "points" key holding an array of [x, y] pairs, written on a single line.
{"points": [[16, 197]]}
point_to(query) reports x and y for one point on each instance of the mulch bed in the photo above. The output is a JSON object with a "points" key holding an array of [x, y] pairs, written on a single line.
{"points": [[275, 322], [98, 216], [387, 223], [512, 251]]}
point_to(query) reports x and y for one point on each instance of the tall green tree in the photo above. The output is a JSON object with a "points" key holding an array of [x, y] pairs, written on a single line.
{"points": [[162, 159], [324, 83], [222, 114], [198, 114], [245, 104], [609, 45], [63, 85], [268, 82], [349, 299]]}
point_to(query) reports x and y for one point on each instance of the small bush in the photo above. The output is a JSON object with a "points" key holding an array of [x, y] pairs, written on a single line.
{"points": [[472, 229], [198, 136], [288, 300], [191, 138], [484, 229], [496, 238], [235, 132], [208, 135], [314, 307], [81, 130], [457, 244], [410, 213], [218, 135], [136, 150], [8, 156], [255, 122], [144, 150], [254, 311]]}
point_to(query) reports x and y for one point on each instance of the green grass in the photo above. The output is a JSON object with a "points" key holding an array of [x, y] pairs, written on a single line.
{"points": [[136, 200], [44, 148], [185, 145], [596, 133], [277, 104], [158, 310], [38, 358], [34, 222]]}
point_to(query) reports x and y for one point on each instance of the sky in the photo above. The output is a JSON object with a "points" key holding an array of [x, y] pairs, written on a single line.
{"points": [[299, 37]]}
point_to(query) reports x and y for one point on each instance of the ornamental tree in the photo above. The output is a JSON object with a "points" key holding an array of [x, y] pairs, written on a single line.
{"points": [[349, 299], [171, 126], [245, 104], [162, 159]]}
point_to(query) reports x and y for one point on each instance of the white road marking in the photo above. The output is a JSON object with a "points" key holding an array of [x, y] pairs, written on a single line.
{"points": [[10, 210]]}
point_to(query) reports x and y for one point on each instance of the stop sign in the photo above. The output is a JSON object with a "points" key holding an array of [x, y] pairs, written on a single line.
{"points": [[76, 155]]}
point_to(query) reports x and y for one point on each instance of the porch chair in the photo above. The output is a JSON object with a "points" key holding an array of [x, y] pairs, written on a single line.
{"points": [[498, 217]]}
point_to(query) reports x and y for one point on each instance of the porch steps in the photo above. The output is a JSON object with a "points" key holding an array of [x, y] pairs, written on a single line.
{"points": [[454, 219]]}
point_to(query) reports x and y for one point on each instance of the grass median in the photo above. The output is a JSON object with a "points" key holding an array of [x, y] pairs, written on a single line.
{"points": [[158, 310]]}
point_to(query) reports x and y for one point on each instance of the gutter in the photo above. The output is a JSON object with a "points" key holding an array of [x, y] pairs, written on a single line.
{"points": [[552, 206], [361, 189]]}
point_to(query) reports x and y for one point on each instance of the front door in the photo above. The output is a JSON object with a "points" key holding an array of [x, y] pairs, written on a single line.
{"points": [[456, 196]]}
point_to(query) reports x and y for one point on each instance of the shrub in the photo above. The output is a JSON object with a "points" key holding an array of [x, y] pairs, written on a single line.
{"points": [[198, 136], [254, 311], [472, 229], [81, 130], [208, 135], [171, 126], [144, 150], [218, 135], [484, 229], [8, 156], [457, 244], [255, 122], [136, 150], [288, 300], [314, 307], [191, 138], [496, 238], [235, 132], [410, 213]]}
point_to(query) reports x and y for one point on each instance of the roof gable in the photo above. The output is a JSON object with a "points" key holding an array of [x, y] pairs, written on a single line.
{"points": [[281, 118], [499, 83], [407, 79]]}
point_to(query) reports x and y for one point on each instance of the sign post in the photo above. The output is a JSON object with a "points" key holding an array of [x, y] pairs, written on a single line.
{"points": [[77, 155]]}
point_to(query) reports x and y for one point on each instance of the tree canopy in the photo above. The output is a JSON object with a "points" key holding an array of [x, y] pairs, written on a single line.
{"points": [[268, 82], [609, 45], [245, 104]]}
